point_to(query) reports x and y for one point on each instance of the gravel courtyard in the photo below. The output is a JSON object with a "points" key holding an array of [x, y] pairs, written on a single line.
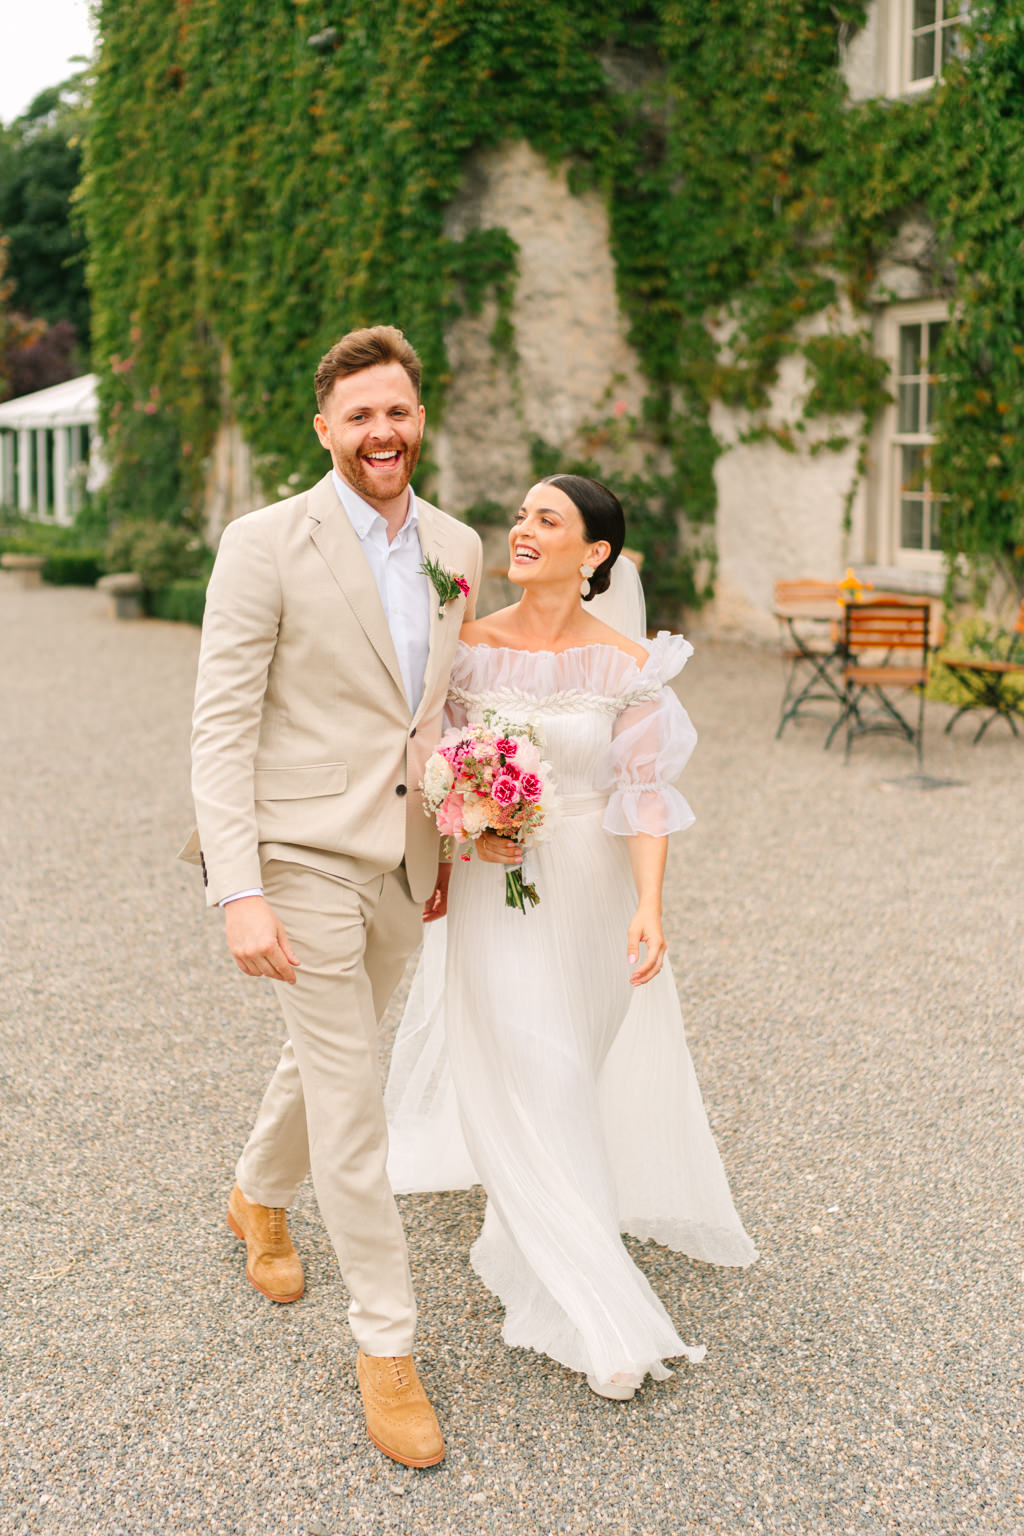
{"points": [[849, 948]]}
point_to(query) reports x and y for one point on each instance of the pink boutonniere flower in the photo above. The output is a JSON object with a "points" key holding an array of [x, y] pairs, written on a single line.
{"points": [[447, 584]]}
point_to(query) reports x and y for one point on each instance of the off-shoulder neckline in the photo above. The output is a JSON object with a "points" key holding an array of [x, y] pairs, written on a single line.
{"points": [[570, 650]]}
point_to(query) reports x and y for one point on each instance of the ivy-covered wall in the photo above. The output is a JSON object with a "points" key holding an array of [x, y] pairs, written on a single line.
{"points": [[262, 178]]}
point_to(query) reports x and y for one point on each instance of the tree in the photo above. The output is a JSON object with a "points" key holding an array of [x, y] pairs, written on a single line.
{"points": [[46, 299]]}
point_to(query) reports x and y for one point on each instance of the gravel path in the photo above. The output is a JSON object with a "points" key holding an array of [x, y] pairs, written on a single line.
{"points": [[848, 947]]}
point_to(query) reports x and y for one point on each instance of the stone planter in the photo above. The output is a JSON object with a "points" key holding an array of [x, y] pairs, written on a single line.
{"points": [[25, 569], [124, 590]]}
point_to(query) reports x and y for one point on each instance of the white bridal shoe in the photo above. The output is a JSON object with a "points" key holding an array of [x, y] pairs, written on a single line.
{"points": [[622, 1388]]}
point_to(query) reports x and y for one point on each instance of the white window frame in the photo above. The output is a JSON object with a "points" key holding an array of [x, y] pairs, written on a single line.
{"points": [[901, 43], [892, 440]]}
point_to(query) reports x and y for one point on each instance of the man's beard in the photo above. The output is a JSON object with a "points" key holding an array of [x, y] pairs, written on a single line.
{"points": [[368, 485]]}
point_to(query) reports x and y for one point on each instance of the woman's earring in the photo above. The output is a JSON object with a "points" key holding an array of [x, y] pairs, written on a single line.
{"points": [[586, 571]]}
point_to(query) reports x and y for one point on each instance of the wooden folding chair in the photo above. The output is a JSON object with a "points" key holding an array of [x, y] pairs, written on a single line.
{"points": [[987, 681], [886, 642], [809, 620]]}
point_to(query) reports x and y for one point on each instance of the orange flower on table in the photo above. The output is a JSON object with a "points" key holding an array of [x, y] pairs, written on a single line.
{"points": [[851, 588]]}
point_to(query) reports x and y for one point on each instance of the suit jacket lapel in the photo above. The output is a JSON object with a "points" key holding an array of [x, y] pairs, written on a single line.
{"points": [[444, 626], [338, 542]]}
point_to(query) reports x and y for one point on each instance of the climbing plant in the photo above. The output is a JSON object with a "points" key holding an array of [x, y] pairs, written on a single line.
{"points": [[260, 179]]}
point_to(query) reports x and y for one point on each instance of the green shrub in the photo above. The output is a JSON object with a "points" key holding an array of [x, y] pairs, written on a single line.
{"points": [[74, 567], [182, 602], [71, 561], [158, 553], [976, 638]]}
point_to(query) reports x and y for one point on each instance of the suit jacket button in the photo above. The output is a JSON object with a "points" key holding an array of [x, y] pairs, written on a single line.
{"points": [[412, 733], [400, 789]]}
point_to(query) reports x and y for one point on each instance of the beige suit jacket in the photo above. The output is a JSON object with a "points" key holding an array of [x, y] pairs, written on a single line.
{"points": [[303, 746]]}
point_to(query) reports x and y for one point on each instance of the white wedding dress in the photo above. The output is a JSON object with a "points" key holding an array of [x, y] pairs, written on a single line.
{"points": [[526, 1062]]}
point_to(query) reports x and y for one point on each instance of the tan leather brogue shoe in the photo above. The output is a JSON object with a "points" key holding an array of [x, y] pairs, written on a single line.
{"points": [[272, 1266], [399, 1418]]}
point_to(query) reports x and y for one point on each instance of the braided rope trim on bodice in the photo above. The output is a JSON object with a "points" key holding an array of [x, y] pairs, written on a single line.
{"points": [[562, 701], [644, 786]]}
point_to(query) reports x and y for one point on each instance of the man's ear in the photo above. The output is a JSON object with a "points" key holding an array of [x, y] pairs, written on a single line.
{"points": [[320, 428]]}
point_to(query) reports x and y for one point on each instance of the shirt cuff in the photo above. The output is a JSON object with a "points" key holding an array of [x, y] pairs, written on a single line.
{"points": [[256, 891]]}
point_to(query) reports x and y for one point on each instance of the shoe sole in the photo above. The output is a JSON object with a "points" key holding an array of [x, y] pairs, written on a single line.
{"points": [[611, 1391], [270, 1295], [407, 1461]]}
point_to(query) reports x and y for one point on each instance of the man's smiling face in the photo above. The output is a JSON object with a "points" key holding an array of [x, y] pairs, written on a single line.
{"points": [[372, 425]]}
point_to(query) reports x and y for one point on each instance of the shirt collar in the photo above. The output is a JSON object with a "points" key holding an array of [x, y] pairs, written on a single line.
{"points": [[362, 516]]}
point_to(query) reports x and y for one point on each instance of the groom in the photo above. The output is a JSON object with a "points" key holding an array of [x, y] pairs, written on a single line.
{"points": [[322, 677]]}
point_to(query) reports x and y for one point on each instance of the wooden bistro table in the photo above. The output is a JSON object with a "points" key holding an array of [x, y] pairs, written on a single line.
{"points": [[813, 646]]}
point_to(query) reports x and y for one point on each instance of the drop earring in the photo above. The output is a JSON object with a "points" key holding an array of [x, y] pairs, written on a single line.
{"points": [[586, 571]]}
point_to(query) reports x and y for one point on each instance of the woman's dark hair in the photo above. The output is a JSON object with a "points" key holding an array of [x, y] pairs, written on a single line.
{"points": [[603, 518]]}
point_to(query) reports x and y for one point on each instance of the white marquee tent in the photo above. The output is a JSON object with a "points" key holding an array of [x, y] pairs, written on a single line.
{"points": [[48, 449]]}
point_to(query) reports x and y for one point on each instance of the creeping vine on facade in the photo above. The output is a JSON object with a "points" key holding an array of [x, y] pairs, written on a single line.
{"points": [[262, 178]]}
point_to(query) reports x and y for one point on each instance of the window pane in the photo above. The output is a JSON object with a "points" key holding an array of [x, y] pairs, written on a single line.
{"points": [[935, 333], [910, 350], [910, 408], [923, 66], [933, 521], [911, 524], [924, 13], [950, 44], [912, 477], [933, 396]]}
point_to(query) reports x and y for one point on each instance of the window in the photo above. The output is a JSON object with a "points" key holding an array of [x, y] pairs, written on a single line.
{"points": [[913, 510], [931, 39]]}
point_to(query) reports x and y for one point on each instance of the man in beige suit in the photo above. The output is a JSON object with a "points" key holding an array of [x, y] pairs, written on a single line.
{"points": [[322, 678]]}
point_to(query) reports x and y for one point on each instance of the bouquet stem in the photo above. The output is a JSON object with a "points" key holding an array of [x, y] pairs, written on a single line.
{"points": [[517, 894]]}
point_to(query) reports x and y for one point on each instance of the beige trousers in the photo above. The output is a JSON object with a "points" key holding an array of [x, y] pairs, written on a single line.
{"points": [[323, 1112]]}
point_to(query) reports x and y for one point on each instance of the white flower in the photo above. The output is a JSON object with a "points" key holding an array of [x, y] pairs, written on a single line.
{"points": [[474, 817], [438, 779]]}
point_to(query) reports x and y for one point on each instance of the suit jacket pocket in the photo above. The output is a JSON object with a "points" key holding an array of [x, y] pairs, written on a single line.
{"points": [[308, 782]]}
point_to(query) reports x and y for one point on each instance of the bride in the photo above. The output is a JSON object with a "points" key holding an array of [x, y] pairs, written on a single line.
{"points": [[542, 1054]]}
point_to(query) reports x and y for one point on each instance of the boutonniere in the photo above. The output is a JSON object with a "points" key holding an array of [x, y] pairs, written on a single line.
{"points": [[447, 584]]}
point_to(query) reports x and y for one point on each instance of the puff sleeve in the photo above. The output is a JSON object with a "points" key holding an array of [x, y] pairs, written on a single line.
{"points": [[651, 744]]}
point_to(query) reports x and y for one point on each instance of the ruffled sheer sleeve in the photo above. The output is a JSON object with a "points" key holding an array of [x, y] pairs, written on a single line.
{"points": [[651, 744]]}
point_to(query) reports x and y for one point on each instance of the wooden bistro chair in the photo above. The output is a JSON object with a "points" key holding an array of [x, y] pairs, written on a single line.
{"points": [[886, 643], [810, 646], [990, 683]]}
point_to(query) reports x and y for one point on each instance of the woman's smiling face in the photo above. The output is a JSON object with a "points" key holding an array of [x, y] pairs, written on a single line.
{"points": [[548, 542]]}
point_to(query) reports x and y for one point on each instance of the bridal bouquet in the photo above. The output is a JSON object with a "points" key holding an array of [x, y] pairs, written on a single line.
{"points": [[490, 778]]}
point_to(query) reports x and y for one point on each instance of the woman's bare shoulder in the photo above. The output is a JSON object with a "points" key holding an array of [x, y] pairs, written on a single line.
{"points": [[603, 634], [492, 629]]}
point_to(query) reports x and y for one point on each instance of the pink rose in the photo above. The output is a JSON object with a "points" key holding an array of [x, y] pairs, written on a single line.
{"points": [[505, 790], [449, 817], [530, 787], [463, 585], [505, 747]]}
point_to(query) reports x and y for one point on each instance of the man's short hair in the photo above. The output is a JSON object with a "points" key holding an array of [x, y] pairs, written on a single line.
{"points": [[367, 348]]}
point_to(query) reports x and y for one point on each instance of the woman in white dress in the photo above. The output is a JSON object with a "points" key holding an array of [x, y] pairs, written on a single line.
{"points": [[542, 1054]]}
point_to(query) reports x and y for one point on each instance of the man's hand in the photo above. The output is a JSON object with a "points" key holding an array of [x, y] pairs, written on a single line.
{"points": [[437, 903], [257, 940]]}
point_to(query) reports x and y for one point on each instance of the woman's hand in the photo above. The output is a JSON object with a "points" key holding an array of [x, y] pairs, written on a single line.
{"points": [[647, 856], [498, 850], [646, 929]]}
